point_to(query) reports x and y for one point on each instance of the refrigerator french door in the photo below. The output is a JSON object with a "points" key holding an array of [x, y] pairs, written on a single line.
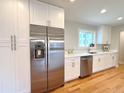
{"points": [[47, 58], [55, 57]]}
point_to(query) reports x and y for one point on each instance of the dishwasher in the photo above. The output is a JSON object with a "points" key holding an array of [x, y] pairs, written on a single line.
{"points": [[86, 66]]}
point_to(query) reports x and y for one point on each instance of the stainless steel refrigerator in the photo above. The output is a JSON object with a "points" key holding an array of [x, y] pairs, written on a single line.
{"points": [[47, 58]]}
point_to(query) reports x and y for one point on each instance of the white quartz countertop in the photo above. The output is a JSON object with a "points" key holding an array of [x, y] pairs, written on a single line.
{"points": [[88, 54]]}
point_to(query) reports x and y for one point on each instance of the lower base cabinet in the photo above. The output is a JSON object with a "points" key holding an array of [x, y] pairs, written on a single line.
{"points": [[72, 68], [104, 61], [100, 62]]}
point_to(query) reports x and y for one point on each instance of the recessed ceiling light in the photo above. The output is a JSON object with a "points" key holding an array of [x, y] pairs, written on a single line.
{"points": [[119, 18], [103, 11], [72, 0]]}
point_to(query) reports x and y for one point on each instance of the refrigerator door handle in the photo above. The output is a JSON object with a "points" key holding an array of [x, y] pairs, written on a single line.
{"points": [[46, 52], [48, 46]]}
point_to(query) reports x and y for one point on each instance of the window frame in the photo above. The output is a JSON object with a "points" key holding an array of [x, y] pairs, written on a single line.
{"points": [[94, 41]]}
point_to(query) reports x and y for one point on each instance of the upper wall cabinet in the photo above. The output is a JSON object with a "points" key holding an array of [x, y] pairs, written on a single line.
{"points": [[38, 12], [45, 14], [104, 35], [55, 16]]}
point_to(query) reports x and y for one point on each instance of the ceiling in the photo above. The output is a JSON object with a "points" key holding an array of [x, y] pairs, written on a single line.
{"points": [[88, 11]]}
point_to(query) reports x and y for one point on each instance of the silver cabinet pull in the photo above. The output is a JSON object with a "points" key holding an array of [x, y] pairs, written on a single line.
{"points": [[12, 43], [15, 42]]}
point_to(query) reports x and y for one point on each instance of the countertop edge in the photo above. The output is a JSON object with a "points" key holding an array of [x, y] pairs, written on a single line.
{"points": [[88, 54]]}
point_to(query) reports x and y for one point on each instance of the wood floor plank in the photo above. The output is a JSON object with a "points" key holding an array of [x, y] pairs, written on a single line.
{"points": [[109, 81]]}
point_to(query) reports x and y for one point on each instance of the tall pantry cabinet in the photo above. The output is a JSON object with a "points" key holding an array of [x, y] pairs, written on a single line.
{"points": [[14, 46]]}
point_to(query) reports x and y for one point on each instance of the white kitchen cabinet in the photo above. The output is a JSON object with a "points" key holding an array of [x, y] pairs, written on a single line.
{"points": [[72, 68], [104, 35], [46, 14], [22, 53], [110, 60], [96, 63], [14, 47], [104, 61], [107, 61], [7, 64], [56, 16], [38, 13], [114, 59], [99, 63]]}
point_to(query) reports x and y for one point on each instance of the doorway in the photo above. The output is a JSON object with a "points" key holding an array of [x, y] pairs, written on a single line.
{"points": [[121, 48]]}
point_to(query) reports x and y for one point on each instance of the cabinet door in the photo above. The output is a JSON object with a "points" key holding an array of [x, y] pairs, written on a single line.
{"points": [[104, 35], [75, 67], [107, 35], [7, 70], [106, 61], [105, 39], [56, 16], [23, 70], [38, 12], [68, 70], [22, 51], [114, 59], [109, 60], [96, 63], [72, 68], [102, 62], [94, 68], [7, 65], [6, 20], [22, 30]]}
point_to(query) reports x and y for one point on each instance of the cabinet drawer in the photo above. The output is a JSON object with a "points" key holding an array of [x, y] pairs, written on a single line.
{"points": [[74, 59], [72, 68]]}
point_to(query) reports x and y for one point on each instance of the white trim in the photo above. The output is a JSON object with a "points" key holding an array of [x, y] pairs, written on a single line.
{"points": [[81, 30]]}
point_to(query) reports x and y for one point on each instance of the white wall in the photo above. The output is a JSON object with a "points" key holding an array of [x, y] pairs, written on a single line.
{"points": [[72, 33], [115, 42]]}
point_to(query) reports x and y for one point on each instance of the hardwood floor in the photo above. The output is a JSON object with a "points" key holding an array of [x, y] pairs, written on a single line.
{"points": [[109, 81]]}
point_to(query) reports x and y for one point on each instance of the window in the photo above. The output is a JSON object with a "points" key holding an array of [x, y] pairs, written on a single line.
{"points": [[86, 38]]}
